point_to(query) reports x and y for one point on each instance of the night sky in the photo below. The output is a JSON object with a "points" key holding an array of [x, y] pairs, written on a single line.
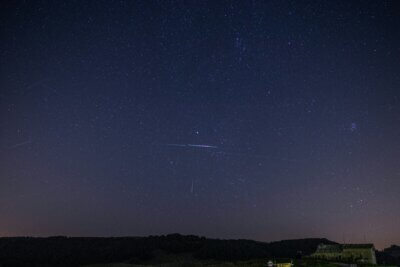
{"points": [[262, 120]]}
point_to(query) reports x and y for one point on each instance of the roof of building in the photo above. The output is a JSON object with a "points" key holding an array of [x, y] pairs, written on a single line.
{"points": [[337, 248], [324, 248], [355, 246]]}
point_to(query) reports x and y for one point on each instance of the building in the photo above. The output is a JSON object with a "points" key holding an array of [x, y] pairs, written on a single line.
{"points": [[284, 264], [360, 253], [393, 251], [280, 263]]}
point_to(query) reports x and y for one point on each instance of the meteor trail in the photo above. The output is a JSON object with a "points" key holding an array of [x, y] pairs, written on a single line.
{"points": [[202, 146], [20, 144], [179, 145], [218, 151], [193, 145]]}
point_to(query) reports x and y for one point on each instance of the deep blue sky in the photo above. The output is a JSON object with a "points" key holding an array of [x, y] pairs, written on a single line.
{"points": [[101, 103]]}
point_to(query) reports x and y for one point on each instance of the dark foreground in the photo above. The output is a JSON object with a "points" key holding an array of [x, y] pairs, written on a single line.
{"points": [[169, 250]]}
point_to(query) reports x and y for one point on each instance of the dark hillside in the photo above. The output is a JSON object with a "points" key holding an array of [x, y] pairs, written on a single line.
{"points": [[23, 251]]}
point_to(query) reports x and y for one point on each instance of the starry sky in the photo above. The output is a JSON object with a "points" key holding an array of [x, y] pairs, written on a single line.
{"points": [[263, 120]]}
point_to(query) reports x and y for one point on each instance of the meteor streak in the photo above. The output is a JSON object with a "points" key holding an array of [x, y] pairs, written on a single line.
{"points": [[193, 145], [202, 146], [20, 144], [218, 151]]}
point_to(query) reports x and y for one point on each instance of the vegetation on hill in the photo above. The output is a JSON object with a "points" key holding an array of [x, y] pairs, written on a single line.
{"points": [[73, 251]]}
